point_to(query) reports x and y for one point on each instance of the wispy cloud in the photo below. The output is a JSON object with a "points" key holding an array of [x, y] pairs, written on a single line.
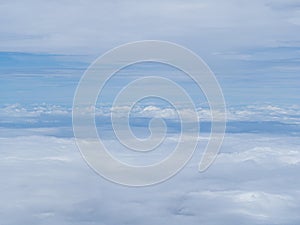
{"points": [[89, 26]]}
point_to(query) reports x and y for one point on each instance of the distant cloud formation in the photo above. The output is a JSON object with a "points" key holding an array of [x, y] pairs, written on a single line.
{"points": [[287, 114]]}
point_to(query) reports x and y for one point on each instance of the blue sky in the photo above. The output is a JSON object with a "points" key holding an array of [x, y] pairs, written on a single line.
{"points": [[253, 47], [268, 75], [249, 45]]}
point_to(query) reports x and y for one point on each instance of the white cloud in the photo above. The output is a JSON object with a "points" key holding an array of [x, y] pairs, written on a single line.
{"points": [[273, 156], [94, 26], [284, 114], [45, 181], [17, 110]]}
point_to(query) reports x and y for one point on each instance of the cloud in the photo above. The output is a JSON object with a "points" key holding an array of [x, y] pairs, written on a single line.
{"points": [[255, 178], [19, 111], [46, 181], [56, 120], [267, 112], [89, 26]]}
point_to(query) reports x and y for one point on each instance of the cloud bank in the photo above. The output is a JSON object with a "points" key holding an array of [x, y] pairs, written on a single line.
{"points": [[254, 180]]}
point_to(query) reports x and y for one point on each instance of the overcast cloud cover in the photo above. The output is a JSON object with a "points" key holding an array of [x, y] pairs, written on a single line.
{"points": [[85, 26], [253, 47]]}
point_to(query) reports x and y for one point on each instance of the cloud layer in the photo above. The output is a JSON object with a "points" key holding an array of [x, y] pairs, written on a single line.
{"points": [[254, 180], [285, 114], [90, 25]]}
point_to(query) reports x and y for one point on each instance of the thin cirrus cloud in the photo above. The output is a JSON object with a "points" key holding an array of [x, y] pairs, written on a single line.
{"points": [[248, 44], [87, 26]]}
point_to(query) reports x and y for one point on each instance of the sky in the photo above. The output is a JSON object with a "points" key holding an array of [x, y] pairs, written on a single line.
{"points": [[252, 47], [95, 26], [248, 45]]}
